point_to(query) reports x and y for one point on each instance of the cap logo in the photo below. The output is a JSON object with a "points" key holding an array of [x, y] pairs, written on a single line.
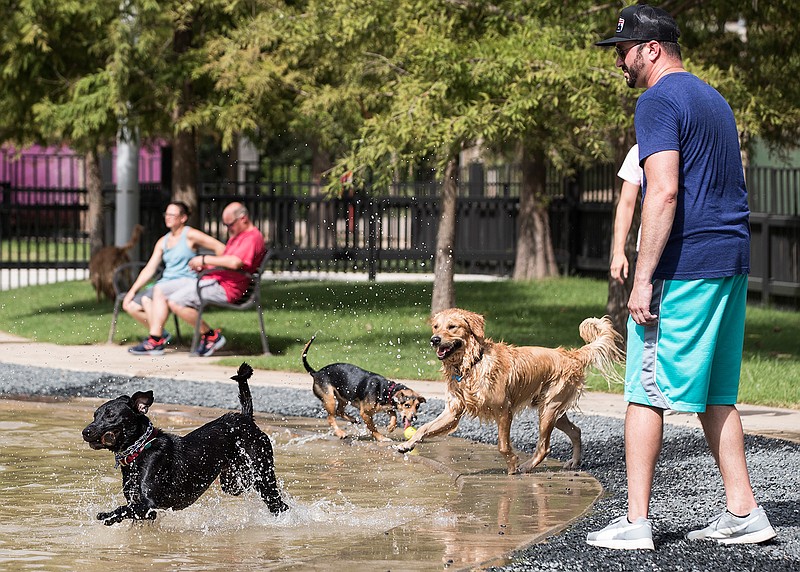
{"points": [[620, 25]]}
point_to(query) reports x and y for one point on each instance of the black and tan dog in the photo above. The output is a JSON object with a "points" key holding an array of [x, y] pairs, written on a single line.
{"points": [[338, 384], [161, 470]]}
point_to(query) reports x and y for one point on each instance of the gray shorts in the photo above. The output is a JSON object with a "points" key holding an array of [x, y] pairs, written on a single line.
{"points": [[168, 287], [187, 296]]}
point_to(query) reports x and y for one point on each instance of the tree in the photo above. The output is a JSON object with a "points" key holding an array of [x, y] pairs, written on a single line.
{"points": [[54, 56], [429, 112], [299, 75], [498, 73], [541, 82], [168, 85]]}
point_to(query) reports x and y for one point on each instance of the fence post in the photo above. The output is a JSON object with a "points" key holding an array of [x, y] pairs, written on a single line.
{"points": [[372, 238], [5, 209], [573, 199], [476, 183], [766, 231]]}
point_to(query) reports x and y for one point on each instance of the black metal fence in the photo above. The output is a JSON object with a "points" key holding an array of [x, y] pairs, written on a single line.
{"points": [[395, 231]]}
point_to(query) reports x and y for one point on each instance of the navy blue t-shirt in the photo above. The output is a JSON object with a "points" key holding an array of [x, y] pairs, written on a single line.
{"points": [[710, 236]]}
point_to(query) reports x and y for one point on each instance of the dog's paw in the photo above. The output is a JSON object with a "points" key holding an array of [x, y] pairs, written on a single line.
{"points": [[404, 448], [109, 518], [572, 465]]}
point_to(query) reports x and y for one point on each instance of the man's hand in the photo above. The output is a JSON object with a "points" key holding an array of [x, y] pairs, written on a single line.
{"points": [[619, 268], [639, 304], [196, 263]]}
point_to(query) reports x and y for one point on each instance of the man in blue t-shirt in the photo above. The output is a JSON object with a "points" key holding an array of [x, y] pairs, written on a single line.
{"points": [[687, 305]]}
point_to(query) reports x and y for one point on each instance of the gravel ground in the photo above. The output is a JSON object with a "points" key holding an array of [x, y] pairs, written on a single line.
{"points": [[687, 492]]}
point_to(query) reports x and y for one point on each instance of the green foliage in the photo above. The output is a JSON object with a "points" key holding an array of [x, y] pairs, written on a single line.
{"points": [[372, 85], [51, 54], [749, 65], [32, 250]]}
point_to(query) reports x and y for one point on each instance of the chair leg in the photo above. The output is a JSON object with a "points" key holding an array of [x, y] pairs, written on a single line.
{"points": [[196, 336], [178, 338], [264, 344], [113, 328]]}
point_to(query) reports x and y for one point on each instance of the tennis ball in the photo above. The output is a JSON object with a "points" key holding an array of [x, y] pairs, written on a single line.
{"points": [[409, 431]]}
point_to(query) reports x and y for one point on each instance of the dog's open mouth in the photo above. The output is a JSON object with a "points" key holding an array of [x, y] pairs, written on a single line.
{"points": [[444, 350], [107, 439]]}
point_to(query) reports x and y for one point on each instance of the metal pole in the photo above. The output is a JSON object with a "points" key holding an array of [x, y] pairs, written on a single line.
{"points": [[127, 190]]}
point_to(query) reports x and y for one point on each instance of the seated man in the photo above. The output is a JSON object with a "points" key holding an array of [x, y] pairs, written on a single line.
{"points": [[243, 251]]}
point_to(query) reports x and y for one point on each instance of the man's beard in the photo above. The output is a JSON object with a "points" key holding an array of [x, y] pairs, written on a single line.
{"points": [[635, 69]]}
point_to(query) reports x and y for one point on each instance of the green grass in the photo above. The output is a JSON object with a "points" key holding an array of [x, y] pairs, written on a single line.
{"points": [[45, 250], [383, 326]]}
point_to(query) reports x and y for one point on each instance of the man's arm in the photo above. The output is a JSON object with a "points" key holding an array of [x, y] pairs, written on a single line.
{"points": [[658, 213], [622, 225]]}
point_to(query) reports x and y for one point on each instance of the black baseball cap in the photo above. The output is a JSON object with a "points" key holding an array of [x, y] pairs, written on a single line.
{"points": [[644, 23]]}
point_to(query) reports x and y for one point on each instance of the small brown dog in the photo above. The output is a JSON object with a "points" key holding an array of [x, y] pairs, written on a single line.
{"points": [[338, 384], [494, 380], [103, 263]]}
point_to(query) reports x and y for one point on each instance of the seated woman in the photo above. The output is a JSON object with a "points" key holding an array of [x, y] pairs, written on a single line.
{"points": [[175, 249]]}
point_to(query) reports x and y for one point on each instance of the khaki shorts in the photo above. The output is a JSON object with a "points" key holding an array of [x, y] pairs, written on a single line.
{"points": [[168, 287], [188, 298]]}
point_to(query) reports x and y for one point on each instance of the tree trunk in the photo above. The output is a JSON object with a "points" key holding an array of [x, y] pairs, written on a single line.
{"points": [[184, 148], [95, 226], [184, 173], [535, 256], [321, 216], [444, 293]]}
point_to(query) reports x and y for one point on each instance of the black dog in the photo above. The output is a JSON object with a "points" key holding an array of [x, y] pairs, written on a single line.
{"points": [[160, 470], [338, 384]]}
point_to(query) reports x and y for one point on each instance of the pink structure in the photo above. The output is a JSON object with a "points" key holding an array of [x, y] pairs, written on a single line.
{"points": [[63, 168]]}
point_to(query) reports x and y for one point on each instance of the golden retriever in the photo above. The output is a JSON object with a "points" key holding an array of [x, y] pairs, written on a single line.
{"points": [[105, 261], [494, 380]]}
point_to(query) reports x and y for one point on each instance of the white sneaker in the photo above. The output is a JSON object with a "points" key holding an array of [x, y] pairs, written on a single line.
{"points": [[727, 528], [621, 534]]}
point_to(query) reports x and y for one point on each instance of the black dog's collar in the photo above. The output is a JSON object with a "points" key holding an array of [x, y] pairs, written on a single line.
{"points": [[129, 455]]}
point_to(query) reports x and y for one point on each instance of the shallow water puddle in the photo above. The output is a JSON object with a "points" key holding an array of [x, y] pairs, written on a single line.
{"points": [[354, 505]]}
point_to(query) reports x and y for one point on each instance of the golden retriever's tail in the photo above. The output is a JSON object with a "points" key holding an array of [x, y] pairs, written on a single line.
{"points": [[136, 234], [602, 349]]}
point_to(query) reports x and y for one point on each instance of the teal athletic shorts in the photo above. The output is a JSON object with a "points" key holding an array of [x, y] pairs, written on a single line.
{"points": [[693, 356]]}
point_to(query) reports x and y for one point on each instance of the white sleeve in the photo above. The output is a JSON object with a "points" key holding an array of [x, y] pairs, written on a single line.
{"points": [[630, 170]]}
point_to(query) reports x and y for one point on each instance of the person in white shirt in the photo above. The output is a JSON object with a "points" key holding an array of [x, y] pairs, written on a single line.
{"points": [[631, 174]]}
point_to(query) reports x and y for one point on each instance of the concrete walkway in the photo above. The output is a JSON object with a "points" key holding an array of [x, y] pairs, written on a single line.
{"points": [[177, 364]]}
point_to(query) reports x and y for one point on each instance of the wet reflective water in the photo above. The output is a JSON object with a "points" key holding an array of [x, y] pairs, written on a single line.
{"points": [[354, 504]]}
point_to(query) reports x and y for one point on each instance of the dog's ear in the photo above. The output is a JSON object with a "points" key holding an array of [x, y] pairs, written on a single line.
{"points": [[141, 401], [421, 399], [475, 323]]}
